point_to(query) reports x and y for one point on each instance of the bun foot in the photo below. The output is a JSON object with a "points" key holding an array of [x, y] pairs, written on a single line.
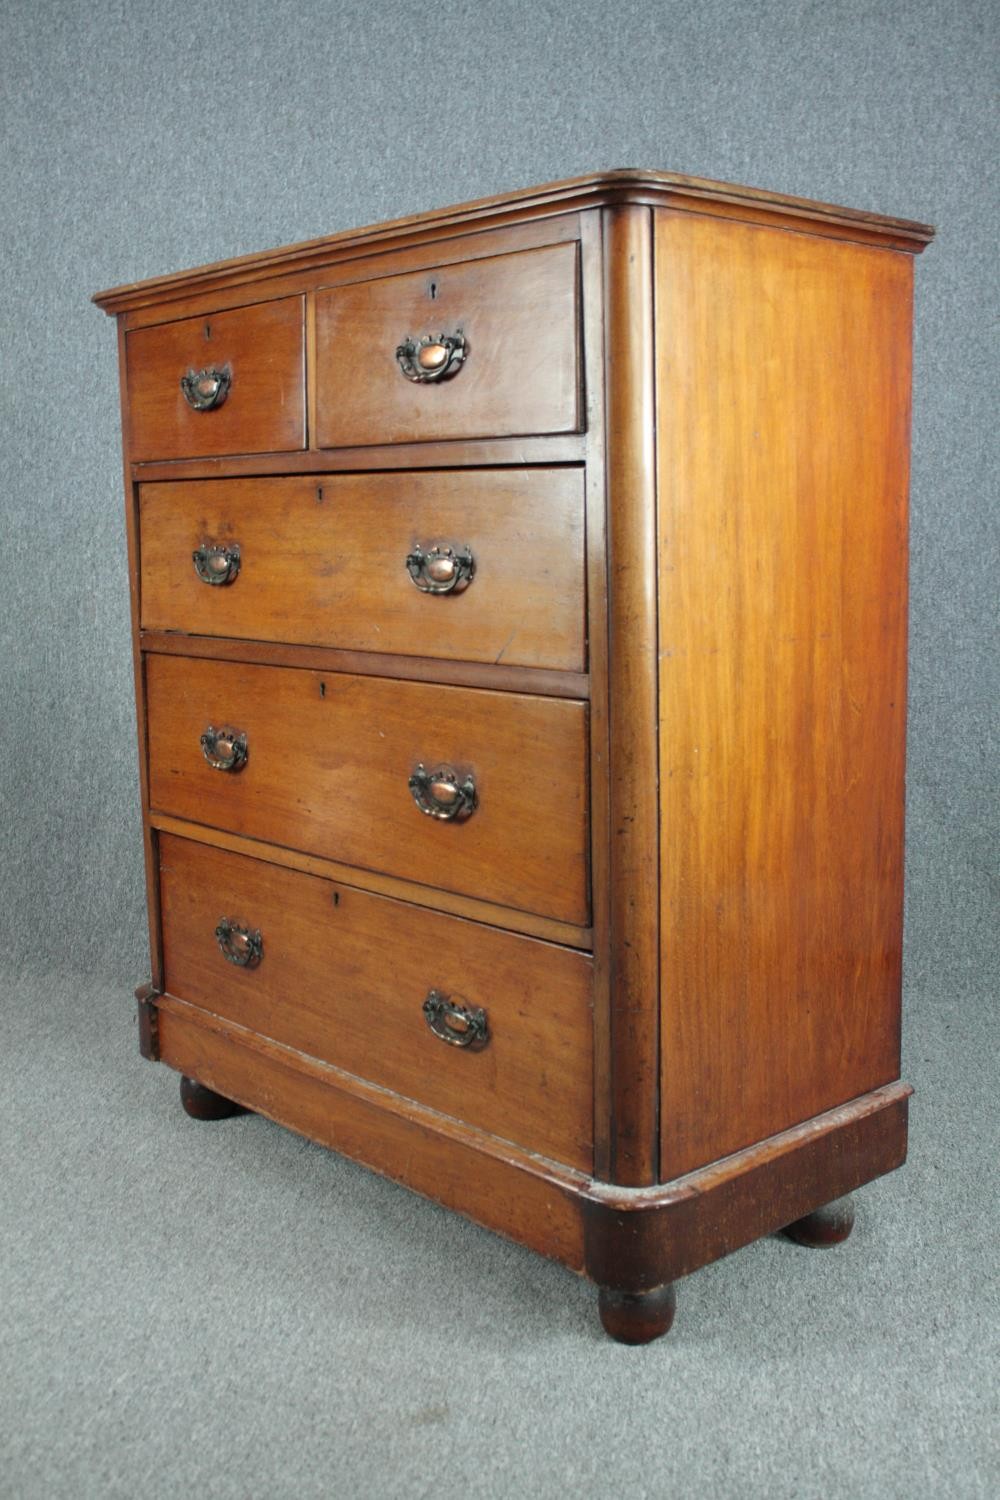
{"points": [[205, 1104], [828, 1226], [637, 1317]]}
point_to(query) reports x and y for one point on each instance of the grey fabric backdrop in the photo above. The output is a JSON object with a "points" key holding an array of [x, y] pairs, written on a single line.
{"points": [[142, 138]]}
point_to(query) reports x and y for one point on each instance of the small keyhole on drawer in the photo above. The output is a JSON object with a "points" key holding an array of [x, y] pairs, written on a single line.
{"points": [[336, 898], [434, 290], [322, 689], [319, 494], [208, 330]]}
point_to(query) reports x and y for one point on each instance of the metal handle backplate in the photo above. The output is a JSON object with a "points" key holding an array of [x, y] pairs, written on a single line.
{"points": [[216, 562], [224, 749], [242, 946], [435, 356], [443, 793], [205, 390], [440, 570], [454, 1022]]}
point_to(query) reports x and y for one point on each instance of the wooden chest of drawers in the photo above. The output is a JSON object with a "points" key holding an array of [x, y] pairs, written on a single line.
{"points": [[519, 603]]}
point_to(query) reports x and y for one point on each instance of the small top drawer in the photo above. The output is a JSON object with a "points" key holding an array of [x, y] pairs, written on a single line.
{"points": [[485, 348], [224, 383]]}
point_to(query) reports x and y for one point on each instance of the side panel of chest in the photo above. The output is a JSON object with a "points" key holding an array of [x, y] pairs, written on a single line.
{"points": [[783, 411]]}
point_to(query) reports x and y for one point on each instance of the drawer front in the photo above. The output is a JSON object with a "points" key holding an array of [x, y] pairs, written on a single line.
{"points": [[519, 365], [352, 561], [259, 407], [329, 758], [343, 976]]}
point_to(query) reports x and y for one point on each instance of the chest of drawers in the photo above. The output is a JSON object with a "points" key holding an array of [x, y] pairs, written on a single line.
{"points": [[519, 605]]}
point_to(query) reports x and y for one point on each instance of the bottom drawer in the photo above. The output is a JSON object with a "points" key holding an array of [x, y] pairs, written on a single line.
{"points": [[379, 988]]}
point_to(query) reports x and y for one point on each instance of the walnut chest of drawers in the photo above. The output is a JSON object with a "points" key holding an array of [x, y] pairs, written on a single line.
{"points": [[519, 601]]}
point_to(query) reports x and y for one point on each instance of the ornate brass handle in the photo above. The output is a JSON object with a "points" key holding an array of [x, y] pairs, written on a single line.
{"points": [[435, 356], [224, 749], [459, 1025], [441, 570], [242, 946], [440, 793], [217, 563], [204, 390]]}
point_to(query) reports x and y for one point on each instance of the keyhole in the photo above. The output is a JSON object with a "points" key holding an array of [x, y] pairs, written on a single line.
{"points": [[434, 290], [322, 689], [208, 330]]}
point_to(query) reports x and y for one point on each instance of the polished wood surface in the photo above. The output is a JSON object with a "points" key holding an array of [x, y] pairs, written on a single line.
{"points": [[424, 252], [330, 756], [205, 1104], [519, 316], [677, 678], [323, 562], [264, 410], [824, 1227], [569, 448], [592, 266], [637, 1317], [627, 1240], [783, 412], [498, 676], [509, 1189], [633, 872], [651, 1236], [431, 896], [592, 190], [324, 987]]}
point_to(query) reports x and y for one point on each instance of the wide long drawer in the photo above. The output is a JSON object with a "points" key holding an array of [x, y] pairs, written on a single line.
{"points": [[479, 565], [478, 792], [490, 1027]]}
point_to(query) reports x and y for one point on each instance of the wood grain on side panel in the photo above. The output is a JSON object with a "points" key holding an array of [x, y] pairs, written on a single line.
{"points": [[783, 372]]}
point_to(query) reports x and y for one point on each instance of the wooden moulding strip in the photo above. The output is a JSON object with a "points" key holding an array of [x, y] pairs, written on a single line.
{"points": [[626, 185], [500, 1186], [646, 1239], [535, 681], [632, 696], [464, 453], [549, 929], [626, 1238]]}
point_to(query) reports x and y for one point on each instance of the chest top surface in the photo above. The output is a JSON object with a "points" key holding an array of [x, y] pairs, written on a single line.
{"points": [[622, 185]]}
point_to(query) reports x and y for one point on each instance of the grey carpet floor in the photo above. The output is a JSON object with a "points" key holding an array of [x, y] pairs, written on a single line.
{"points": [[228, 1311]]}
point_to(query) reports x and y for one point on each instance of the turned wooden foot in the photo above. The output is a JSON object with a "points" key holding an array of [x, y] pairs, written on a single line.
{"points": [[205, 1104], [829, 1225], [637, 1317]]}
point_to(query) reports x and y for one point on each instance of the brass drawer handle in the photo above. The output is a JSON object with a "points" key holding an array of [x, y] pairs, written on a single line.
{"points": [[217, 563], [441, 570], [459, 1025], [204, 390], [440, 793], [242, 946], [435, 356], [224, 749]]}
